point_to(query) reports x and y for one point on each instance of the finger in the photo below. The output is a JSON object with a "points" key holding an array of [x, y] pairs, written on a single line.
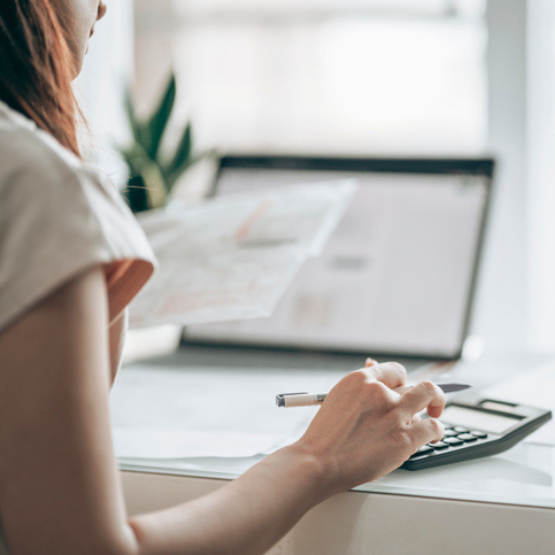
{"points": [[370, 362], [428, 430], [391, 374], [423, 395]]}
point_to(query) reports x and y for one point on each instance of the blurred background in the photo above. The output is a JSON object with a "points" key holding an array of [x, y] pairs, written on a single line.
{"points": [[366, 78]]}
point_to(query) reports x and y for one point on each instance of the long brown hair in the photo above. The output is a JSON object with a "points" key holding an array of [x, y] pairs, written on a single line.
{"points": [[36, 68]]}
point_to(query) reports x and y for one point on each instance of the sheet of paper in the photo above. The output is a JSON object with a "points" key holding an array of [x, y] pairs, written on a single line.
{"points": [[175, 443], [303, 215], [161, 413], [232, 258]]}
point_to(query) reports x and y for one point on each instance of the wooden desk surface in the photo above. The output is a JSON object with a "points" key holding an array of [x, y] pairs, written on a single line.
{"points": [[375, 523]]}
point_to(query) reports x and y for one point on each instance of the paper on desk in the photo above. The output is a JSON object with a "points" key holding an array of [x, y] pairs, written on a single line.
{"points": [[233, 257], [161, 413], [535, 388], [304, 215], [176, 443]]}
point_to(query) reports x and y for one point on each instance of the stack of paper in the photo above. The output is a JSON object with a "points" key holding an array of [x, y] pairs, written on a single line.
{"points": [[233, 257], [161, 412]]}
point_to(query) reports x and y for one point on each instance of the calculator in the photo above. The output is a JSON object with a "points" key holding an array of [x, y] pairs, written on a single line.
{"points": [[478, 428]]}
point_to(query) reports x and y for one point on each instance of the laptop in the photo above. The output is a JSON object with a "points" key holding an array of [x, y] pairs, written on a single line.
{"points": [[398, 276]]}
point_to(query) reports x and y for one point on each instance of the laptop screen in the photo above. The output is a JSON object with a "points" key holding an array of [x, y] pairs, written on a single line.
{"points": [[398, 274]]}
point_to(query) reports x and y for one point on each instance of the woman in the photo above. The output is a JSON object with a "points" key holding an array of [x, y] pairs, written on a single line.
{"points": [[71, 259]]}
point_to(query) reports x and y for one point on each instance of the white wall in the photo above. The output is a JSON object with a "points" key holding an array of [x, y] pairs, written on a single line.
{"points": [[501, 313], [107, 70], [515, 308], [541, 173]]}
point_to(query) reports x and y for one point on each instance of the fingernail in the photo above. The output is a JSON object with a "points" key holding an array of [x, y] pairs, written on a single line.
{"points": [[370, 362]]}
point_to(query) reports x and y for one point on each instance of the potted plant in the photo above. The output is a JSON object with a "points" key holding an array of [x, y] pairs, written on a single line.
{"points": [[154, 173]]}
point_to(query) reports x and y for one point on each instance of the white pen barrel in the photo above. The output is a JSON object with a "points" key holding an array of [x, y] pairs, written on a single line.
{"points": [[304, 400], [311, 399]]}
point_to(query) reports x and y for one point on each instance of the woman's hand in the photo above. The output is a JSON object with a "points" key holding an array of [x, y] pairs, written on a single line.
{"points": [[364, 429]]}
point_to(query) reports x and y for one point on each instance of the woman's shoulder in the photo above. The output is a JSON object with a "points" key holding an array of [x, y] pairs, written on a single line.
{"points": [[62, 217], [36, 170], [32, 160], [50, 188]]}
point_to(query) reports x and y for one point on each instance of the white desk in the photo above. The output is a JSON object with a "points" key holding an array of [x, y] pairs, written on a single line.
{"points": [[503, 504]]}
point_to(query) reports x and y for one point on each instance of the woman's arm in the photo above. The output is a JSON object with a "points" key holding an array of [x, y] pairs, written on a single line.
{"points": [[339, 451], [116, 340], [58, 474]]}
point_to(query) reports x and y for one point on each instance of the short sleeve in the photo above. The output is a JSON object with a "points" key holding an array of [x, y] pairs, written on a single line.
{"points": [[57, 219]]}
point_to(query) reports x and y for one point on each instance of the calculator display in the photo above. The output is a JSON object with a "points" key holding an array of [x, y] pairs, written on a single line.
{"points": [[494, 423]]}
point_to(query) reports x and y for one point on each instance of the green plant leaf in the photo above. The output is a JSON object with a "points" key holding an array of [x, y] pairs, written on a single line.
{"points": [[134, 157], [181, 158], [134, 123], [154, 183], [148, 174], [130, 111], [171, 178], [139, 129], [159, 119], [136, 195]]}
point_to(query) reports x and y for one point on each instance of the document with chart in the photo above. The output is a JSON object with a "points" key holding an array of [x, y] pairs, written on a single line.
{"points": [[232, 258]]}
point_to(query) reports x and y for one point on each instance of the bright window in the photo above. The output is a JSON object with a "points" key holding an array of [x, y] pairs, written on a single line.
{"points": [[350, 76]]}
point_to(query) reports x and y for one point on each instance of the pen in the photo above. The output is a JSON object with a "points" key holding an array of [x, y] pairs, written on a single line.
{"points": [[307, 399]]}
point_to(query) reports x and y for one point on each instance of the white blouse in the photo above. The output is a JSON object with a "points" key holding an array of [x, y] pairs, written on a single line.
{"points": [[58, 218]]}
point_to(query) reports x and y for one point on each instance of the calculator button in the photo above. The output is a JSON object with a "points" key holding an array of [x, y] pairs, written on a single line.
{"points": [[450, 433], [453, 440], [460, 430], [480, 435], [438, 445], [422, 451], [467, 437]]}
